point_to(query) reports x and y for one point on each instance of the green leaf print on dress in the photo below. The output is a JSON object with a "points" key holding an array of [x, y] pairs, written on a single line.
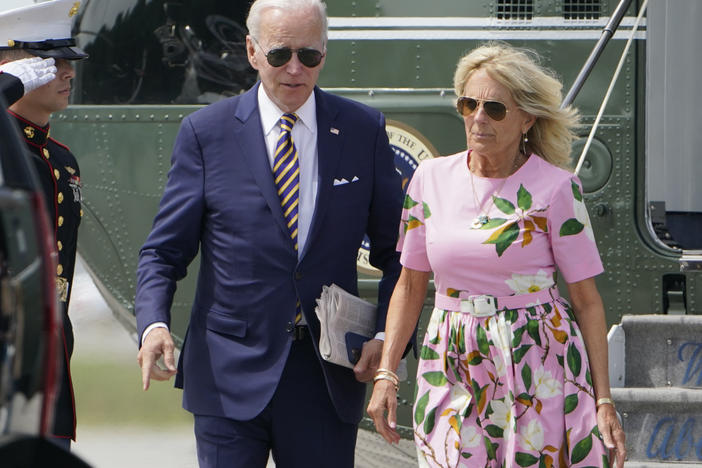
{"points": [[420, 408], [581, 449], [520, 217], [571, 227], [428, 353], [577, 194], [581, 221], [437, 379], [409, 203], [413, 222]]}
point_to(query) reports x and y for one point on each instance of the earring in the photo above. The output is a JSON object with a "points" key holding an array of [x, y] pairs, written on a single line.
{"points": [[525, 140]]}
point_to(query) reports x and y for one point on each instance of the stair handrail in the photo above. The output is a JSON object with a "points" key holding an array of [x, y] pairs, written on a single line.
{"points": [[606, 35], [620, 65]]}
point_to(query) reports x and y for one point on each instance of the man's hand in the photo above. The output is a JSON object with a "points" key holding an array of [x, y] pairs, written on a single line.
{"points": [[32, 72], [370, 358], [156, 344]]}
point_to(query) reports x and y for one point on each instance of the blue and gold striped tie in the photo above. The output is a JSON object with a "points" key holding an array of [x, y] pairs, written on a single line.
{"points": [[286, 171]]}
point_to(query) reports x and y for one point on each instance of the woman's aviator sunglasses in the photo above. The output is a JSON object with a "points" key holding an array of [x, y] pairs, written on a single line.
{"points": [[282, 55], [494, 109]]}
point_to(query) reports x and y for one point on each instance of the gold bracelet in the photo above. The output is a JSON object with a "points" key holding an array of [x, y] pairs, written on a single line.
{"points": [[382, 370], [388, 378], [604, 401]]}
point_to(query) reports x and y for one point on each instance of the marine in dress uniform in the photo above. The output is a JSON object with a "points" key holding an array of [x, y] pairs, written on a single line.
{"points": [[43, 30]]}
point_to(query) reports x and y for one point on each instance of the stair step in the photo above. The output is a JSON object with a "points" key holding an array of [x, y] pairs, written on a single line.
{"points": [[660, 465], [663, 350], [662, 425]]}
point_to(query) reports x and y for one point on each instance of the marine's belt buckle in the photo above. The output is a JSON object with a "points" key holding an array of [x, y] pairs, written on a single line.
{"points": [[479, 306], [62, 289]]}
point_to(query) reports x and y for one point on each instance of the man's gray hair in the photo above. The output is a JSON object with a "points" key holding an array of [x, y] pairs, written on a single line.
{"points": [[254, 19]]}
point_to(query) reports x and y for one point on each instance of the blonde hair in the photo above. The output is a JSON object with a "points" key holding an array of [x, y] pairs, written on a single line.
{"points": [[535, 89]]}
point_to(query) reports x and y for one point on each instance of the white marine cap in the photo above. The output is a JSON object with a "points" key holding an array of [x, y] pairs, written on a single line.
{"points": [[42, 29]]}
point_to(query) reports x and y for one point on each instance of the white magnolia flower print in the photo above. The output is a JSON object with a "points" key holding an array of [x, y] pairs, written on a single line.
{"points": [[470, 437], [524, 284], [501, 414], [531, 436], [433, 325], [460, 399], [580, 212], [502, 336], [546, 386], [422, 459]]}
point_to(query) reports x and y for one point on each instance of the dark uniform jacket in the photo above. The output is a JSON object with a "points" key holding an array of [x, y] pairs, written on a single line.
{"points": [[11, 88], [59, 178]]}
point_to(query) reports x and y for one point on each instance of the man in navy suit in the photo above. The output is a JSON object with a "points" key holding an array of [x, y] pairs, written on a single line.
{"points": [[250, 368]]}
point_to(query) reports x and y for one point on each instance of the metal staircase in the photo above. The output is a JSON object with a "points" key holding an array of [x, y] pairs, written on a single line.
{"points": [[656, 377]]}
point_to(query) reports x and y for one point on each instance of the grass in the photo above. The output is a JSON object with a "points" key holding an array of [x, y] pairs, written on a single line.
{"points": [[109, 393]]}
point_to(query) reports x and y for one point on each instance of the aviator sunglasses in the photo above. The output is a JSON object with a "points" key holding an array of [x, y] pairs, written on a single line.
{"points": [[494, 109], [278, 57]]}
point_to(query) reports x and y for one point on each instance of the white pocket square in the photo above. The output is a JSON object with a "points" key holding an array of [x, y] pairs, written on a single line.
{"points": [[340, 182]]}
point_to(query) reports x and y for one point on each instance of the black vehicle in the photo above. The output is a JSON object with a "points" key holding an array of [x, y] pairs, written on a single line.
{"points": [[29, 320]]}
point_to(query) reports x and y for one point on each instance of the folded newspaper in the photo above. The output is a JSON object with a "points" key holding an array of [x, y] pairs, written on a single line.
{"points": [[347, 321]]}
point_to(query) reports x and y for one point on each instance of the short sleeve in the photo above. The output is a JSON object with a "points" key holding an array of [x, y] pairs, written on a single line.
{"points": [[412, 239], [572, 239]]}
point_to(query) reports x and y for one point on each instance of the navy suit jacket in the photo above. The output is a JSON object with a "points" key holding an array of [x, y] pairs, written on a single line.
{"points": [[220, 197]]}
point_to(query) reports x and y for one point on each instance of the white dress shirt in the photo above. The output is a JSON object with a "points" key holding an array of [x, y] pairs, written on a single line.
{"points": [[304, 135]]}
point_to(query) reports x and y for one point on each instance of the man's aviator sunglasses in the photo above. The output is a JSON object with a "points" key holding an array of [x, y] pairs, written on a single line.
{"points": [[494, 109], [278, 57]]}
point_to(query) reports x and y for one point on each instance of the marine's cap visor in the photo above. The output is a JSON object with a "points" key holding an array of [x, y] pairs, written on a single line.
{"points": [[51, 48], [68, 53]]}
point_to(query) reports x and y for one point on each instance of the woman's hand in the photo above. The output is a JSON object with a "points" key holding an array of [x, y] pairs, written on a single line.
{"points": [[384, 400], [612, 433]]}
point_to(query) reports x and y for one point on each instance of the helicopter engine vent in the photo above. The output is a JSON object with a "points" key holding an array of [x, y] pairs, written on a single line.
{"points": [[581, 9], [515, 9]]}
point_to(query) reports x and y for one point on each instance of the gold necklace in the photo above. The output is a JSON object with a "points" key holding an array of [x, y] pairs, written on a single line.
{"points": [[482, 219]]}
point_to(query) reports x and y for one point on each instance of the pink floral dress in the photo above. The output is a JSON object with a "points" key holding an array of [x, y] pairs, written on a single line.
{"points": [[512, 389]]}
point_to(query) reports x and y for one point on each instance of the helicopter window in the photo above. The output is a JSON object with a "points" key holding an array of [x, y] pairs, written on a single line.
{"points": [[581, 9], [163, 52], [673, 102], [515, 9]]}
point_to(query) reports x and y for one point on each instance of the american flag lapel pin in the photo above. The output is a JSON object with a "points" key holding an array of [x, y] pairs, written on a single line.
{"points": [[335, 131]]}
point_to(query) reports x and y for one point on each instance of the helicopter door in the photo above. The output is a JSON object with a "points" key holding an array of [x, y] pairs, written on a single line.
{"points": [[674, 109]]}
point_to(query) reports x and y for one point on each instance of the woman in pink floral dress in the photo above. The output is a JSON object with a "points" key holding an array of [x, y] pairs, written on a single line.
{"points": [[510, 373]]}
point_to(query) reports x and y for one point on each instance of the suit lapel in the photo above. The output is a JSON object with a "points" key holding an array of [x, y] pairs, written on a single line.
{"points": [[249, 135], [330, 140]]}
